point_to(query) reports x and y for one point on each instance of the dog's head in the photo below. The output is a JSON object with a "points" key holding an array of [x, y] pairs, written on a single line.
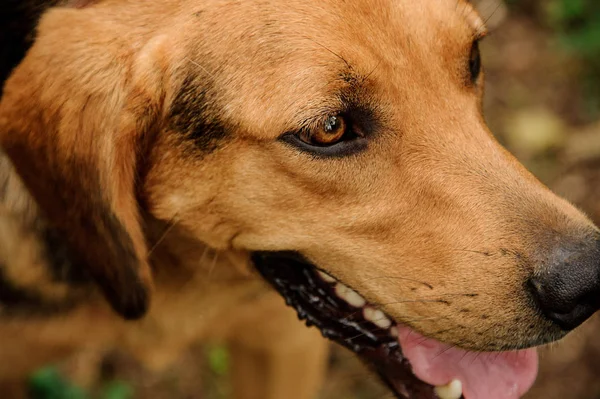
{"points": [[344, 137]]}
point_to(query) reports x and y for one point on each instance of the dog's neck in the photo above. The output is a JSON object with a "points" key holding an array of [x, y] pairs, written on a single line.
{"points": [[175, 254]]}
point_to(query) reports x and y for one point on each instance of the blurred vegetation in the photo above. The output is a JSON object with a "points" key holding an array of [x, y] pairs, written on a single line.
{"points": [[576, 26], [577, 23], [48, 383]]}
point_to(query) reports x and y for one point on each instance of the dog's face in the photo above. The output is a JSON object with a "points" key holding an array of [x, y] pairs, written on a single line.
{"points": [[353, 135], [349, 133]]}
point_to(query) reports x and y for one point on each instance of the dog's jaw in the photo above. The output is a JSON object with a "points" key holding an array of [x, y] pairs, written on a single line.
{"points": [[367, 331], [413, 366]]}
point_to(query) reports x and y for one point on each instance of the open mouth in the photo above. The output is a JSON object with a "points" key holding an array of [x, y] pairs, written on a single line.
{"points": [[412, 366]]}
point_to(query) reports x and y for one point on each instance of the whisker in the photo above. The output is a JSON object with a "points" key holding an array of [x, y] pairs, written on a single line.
{"points": [[444, 351], [364, 79], [494, 12], [411, 301], [167, 230], [404, 321], [463, 356], [484, 253], [206, 249], [410, 331], [213, 264], [401, 278], [365, 322], [477, 354], [332, 52], [200, 66], [421, 340]]}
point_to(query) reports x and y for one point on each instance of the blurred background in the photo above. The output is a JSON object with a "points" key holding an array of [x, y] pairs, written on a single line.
{"points": [[542, 61]]}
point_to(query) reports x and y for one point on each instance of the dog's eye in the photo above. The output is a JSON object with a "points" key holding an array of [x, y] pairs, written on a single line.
{"points": [[331, 131], [334, 136], [475, 62]]}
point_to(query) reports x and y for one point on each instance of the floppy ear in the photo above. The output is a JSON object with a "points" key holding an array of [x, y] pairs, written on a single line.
{"points": [[74, 119]]}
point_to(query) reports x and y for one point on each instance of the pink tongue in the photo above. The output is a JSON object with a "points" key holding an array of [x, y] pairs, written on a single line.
{"points": [[492, 375]]}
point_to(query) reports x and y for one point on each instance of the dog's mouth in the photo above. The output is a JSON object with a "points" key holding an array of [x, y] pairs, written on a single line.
{"points": [[414, 367]]}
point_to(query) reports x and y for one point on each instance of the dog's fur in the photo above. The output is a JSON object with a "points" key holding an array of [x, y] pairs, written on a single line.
{"points": [[148, 134]]}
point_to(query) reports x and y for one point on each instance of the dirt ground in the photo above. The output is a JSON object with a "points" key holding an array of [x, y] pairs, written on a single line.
{"points": [[534, 106]]}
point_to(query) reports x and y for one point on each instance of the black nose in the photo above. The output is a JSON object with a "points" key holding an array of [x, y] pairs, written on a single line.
{"points": [[567, 288]]}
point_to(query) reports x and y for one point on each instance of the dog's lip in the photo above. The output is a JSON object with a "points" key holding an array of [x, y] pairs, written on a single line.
{"points": [[409, 363], [315, 300]]}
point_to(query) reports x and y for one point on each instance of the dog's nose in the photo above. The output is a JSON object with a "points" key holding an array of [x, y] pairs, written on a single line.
{"points": [[567, 290]]}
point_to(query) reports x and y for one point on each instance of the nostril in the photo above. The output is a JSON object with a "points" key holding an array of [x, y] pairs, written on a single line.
{"points": [[566, 287], [565, 299], [571, 320], [551, 295]]}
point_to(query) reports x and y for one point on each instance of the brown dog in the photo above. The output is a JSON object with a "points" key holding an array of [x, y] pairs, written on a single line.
{"points": [[168, 143]]}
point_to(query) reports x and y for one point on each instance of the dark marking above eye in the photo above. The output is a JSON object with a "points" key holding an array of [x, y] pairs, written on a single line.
{"points": [[194, 114]]}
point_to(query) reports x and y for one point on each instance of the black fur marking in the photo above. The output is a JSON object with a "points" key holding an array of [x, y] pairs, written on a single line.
{"points": [[99, 244], [193, 114], [18, 302], [61, 260], [127, 294], [18, 19]]}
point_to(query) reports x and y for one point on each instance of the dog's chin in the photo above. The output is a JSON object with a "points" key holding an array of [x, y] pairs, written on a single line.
{"points": [[411, 365]]}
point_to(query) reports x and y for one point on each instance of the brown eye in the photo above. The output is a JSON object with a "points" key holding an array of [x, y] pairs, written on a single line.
{"points": [[330, 132], [333, 136]]}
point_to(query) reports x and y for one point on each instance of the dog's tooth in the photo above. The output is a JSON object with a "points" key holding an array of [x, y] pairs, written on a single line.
{"points": [[349, 295], [452, 390], [377, 317], [381, 320], [354, 299], [394, 332], [340, 290], [326, 277]]}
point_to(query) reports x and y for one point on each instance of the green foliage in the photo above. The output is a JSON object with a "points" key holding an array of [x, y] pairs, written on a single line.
{"points": [[577, 24], [218, 360], [117, 390], [47, 383]]}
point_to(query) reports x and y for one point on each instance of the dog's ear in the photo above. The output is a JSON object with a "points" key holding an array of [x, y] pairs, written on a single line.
{"points": [[75, 119]]}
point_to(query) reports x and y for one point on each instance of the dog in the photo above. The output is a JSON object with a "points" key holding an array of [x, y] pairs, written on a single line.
{"points": [[173, 168]]}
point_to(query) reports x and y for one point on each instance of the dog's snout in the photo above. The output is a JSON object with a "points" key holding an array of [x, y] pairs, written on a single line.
{"points": [[567, 289]]}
